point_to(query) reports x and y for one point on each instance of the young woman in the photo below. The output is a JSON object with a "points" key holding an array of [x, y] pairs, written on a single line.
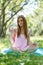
{"points": [[21, 41]]}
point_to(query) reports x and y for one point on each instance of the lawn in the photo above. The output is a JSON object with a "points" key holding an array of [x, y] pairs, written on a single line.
{"points": [[17, 58]]}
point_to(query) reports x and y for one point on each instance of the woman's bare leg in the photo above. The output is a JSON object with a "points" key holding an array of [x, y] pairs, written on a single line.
{"points": [[32, 47]]}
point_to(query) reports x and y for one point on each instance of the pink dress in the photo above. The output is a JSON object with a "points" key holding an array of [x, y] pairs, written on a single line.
{"points": [[20, 43]]}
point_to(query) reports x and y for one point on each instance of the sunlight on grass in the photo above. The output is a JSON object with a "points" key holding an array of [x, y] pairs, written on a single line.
{"points": [[2, 46]]}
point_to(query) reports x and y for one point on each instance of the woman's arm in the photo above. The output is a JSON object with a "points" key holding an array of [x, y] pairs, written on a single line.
{"points": [[28, 38], [13, 36]]}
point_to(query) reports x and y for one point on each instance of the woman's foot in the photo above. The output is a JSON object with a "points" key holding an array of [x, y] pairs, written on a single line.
{"points": [[35, 45]]}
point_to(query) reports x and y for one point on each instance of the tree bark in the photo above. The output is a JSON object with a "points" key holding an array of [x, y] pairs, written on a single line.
{"points": [[3, 31]]}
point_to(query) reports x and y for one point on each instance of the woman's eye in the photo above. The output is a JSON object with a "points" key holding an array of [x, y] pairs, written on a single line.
{"points": [[21, 20]]}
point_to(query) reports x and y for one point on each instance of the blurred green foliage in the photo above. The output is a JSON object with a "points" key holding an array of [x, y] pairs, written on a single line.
{"points": [[35, 21]]}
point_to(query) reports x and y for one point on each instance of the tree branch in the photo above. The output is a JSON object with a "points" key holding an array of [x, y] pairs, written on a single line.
{"points": [[9, 2], [16, 5], [15, 14], [12, 16]]}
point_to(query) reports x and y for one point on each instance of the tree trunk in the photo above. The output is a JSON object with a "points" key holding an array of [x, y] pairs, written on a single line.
{"points": [[3, 28]]}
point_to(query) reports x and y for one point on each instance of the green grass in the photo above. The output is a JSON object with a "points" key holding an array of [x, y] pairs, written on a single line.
{"points": [[25, 58]]}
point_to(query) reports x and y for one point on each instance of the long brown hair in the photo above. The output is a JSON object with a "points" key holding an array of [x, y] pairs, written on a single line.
{"points": [[24, 26]]}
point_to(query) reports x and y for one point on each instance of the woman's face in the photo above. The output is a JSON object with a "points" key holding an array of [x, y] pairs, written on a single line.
{"points": [[20, 22]]}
